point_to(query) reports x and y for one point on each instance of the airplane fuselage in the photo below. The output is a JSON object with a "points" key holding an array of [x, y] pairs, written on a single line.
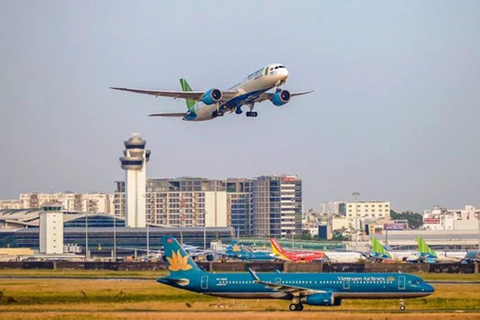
{"points": [[254, 84], [343, 285]]}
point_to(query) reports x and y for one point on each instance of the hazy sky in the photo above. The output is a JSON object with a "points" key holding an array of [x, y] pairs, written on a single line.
{"points": [[395, 113]]}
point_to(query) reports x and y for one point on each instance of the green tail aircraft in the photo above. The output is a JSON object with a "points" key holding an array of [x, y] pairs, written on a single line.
{"points": [[316, 289]]}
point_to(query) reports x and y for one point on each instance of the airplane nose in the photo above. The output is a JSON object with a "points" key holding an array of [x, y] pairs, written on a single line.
{"points": [[284, 74], [428, 288]]}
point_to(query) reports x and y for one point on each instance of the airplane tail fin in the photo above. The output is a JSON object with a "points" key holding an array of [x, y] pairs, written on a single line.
{"points": [[186, 87], [179, 262], [277, 249], [424, 248], [377, 246], [234, 248]]}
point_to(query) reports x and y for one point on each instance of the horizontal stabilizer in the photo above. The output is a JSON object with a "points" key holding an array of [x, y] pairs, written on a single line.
{"points": [[183, 114]]}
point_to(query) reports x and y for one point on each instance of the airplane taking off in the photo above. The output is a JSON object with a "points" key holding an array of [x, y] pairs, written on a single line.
{"points": [[295, 256], [316, 289], [207, 105]]}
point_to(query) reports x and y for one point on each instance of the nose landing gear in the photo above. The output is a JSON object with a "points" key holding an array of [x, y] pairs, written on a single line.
{"points": [[402, 305], [295, 307]]}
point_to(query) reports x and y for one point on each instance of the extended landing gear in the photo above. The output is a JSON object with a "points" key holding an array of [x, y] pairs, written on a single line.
{"points": [[295, 307], [402, 305], [251, 113], [217, 114]]}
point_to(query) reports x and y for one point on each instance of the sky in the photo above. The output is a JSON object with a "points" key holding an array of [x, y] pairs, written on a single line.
{"points": [[394, 116]]}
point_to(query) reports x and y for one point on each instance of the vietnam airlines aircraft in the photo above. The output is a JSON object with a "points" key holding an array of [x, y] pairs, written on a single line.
{"points": [[207, 105], [316, 289], [295, 256], [237, 252]]}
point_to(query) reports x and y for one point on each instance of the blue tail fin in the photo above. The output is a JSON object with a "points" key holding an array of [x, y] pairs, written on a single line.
{"points": [[179, 262], [234, 248]]}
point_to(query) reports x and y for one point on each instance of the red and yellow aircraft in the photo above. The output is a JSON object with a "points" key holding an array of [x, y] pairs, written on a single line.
{"points": [[295, 256]]}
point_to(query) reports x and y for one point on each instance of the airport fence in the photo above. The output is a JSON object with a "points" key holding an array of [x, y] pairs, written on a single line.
{"points": [[242, 266]]}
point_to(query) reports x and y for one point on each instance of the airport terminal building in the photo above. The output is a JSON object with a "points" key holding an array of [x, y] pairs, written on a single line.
{"points": [[19, 228]]}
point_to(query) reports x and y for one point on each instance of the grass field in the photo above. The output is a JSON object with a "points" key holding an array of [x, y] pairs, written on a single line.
{"points": [[131, 299], [155, 274]]}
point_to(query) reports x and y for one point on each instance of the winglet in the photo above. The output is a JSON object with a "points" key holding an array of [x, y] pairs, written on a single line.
{"points": [[253, 274]]}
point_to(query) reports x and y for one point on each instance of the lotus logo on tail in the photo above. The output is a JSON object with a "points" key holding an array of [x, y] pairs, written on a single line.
{"points": [[177, 262], [236, 248]]}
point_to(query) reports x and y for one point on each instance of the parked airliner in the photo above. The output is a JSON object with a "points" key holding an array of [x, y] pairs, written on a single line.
{"points": [[295, 256], [207, 105], [316, 289], [235, 251]]}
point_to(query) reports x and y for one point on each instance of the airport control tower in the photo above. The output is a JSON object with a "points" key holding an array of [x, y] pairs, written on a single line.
{"points": [[134, 162]]}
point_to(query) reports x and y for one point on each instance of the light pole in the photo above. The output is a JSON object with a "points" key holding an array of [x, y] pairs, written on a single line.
{"points": [[148, 240], [114, 238], [356, 195], [86, 235], [205, 230]]}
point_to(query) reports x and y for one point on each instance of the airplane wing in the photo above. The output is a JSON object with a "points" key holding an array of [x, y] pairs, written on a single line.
{"points": [[182, 114], [268, 95], [193, 95], [293, 290]]}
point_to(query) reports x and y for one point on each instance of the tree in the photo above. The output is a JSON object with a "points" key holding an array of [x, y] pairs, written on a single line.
{"points": [[306, 235], [415, 220]]}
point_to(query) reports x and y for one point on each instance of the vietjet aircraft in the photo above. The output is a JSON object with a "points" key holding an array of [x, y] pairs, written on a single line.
{"points": [[295, 256], [207, 105], [315, 289]]}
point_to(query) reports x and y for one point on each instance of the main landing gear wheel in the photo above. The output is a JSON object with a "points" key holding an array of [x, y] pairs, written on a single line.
{"points": [[295, 307], [251, 114], [402, 305]]}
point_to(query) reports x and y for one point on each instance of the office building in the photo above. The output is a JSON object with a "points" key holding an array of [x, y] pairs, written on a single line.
{"points": [[277, 206]]}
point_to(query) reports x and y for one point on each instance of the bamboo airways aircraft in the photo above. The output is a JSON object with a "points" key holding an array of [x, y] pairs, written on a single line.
{"points": [[207, 105], [316, 289]]}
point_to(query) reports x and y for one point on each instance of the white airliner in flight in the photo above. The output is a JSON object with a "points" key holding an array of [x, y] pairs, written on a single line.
{"points": [[207, 105]]}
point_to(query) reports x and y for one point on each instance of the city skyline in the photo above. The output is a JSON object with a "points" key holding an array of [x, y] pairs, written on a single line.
{"points": [[394, 114]]}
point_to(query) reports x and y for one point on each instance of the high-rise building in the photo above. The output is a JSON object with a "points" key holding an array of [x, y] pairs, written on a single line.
{"points": [[187, 202], [270, 205], [277, 206], [94, 202], [134, 162], [239, 205]]}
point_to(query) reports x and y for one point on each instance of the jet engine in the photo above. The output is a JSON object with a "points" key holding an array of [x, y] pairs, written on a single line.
{"points": [[280, 98], [212, 96], [210, 257], [320, 299]]}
